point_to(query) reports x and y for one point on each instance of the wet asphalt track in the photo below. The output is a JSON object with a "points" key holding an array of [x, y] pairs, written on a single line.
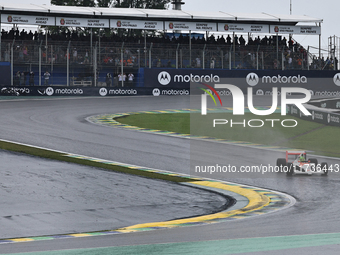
{"points": [[43, 197], [59, 124]]}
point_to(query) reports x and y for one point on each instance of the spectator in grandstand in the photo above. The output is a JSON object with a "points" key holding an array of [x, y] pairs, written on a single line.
{"points": [[336, 63], [131, 77], [7, 56], [31, 78], [290, 61], [106, 60], [130, 62], [242, 41], [75, 55], [169, 64], [51, 58], [291, 43], [159, 62], [264, 41], [108, 79], [36, 36], [257, 41], [198, 62], [25, 53], [46, 78], [222, 40], [124, 77], [236, 42], [327, 64], [117, 61], [21, 54], [120, 79], [30, 35], [86, 57], [22, 79], [17, 78], [212, 62], [299, 63], [228, 40], [250, 41]]}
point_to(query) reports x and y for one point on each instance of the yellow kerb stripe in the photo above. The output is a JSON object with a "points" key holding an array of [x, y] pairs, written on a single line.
{"points": [[256, 202]]}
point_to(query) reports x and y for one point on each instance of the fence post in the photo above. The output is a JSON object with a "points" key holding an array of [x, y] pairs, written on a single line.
{"points": [[122, 64], [222, 59], [95, 65], [51, 63], [150, 57], [12, 61], [230, 58], [190, 61], [40, 63], [181, 57], [203, 56], [138, 58], [68, 64]]}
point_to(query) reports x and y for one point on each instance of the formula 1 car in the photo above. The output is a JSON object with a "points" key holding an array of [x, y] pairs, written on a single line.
{"points": [[296, 162]]}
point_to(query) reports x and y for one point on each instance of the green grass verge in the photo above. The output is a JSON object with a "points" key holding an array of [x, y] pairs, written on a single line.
{"points": [[306, 135], [44, 153]]}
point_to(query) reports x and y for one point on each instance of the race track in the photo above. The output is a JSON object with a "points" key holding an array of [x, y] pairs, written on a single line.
{"points": [[60, 124]]}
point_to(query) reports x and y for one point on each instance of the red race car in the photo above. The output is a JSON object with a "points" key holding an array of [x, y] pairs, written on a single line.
{"points": [[296, 163]]}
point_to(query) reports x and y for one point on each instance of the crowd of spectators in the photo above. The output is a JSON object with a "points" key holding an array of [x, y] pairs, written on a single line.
{"points": [[291, 53], [67, 35]]}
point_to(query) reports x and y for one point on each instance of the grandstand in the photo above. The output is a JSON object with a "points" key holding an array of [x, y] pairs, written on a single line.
{"points": [[80, 45]]}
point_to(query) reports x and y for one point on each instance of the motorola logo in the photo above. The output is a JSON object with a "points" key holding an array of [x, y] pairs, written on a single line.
{"points": [[49, 91], [259, 92], [252, 79], [336, 79], [164, 78], [156, 92], [103, 92]]}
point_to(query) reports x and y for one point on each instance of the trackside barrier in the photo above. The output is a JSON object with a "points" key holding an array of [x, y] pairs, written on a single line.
{"points": [[319, 115], [89, 91]]}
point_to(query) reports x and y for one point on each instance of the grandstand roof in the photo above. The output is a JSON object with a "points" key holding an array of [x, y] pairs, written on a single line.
{"points": [[153, 14]]}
